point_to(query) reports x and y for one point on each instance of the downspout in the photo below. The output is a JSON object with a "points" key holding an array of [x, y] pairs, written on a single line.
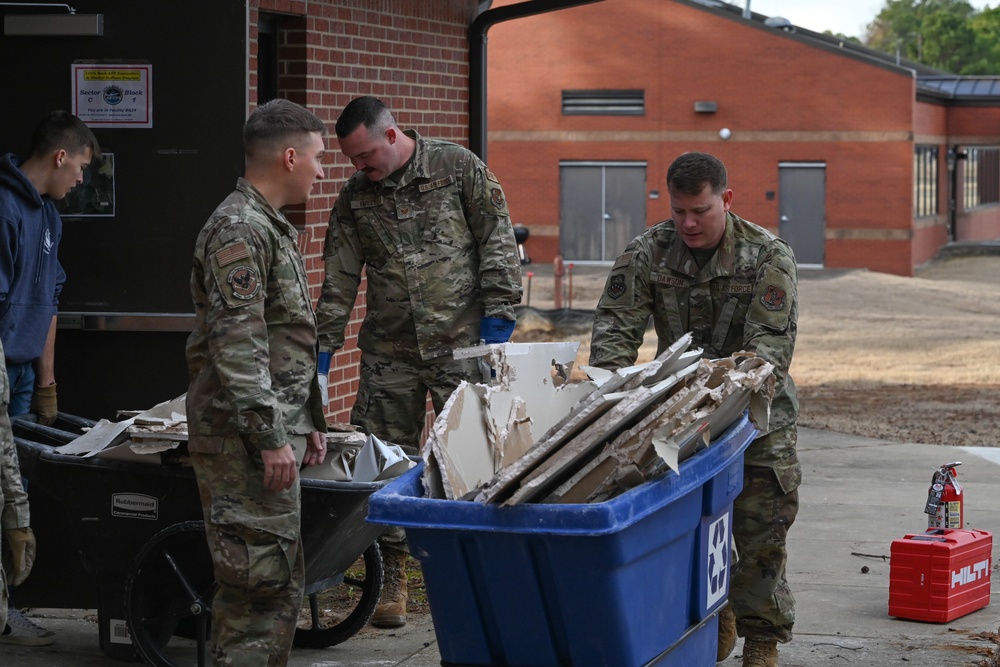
{"points": [[955, 153], [477, 58]]}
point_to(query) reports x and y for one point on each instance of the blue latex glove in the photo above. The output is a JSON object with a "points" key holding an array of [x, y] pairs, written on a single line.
{"points": [[323, 371], [493, 330]]}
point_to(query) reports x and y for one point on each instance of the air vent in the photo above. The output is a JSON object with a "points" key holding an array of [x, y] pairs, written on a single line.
{"points": [[604, 102]]}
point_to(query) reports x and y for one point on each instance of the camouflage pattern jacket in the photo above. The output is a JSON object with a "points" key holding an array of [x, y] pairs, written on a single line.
{"points": [[252, 355], [13, 499], [438, 250], [744, 298]]}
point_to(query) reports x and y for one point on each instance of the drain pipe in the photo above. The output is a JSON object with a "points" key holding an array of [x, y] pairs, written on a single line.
{"points": [[747, 14], [477, 58]]}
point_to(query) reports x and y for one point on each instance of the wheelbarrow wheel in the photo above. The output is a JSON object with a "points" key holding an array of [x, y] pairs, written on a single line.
{"points": [[339, 612], [169, 594]]}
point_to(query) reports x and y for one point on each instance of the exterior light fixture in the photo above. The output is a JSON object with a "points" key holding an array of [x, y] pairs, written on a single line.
{"points": [[69, 24]]}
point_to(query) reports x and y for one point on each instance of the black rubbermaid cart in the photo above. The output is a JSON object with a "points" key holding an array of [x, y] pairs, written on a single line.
{"points": [[127, 538]]}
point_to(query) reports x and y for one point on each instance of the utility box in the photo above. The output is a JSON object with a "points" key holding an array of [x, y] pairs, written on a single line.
{"points": [[636, 580], [940, 575]]}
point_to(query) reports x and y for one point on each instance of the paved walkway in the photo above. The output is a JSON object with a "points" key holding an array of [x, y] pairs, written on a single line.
{"points": [[858, 495]]}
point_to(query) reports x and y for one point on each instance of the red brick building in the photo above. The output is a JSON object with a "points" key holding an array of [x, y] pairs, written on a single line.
{"points": [[842, 151]]}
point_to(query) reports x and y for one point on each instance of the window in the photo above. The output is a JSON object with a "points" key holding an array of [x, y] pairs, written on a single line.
{"points": [[267, 58], [982, 177], [603, 102], [925, 181]]}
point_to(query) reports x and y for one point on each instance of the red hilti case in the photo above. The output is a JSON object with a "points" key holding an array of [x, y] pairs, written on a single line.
{"points": [[940, 575]]}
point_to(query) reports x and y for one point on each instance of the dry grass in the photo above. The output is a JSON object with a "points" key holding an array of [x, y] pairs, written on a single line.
{"points": [[942, 327], [904, 359]]}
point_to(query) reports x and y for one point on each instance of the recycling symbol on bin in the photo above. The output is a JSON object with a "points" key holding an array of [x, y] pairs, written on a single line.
{"points": [[719, 554]]}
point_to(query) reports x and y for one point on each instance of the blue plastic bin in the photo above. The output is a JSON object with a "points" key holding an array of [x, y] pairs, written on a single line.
{"points": [[633, 581]]}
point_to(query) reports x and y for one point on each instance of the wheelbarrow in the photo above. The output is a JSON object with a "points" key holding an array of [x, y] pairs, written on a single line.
{"points": [[128, 539]]}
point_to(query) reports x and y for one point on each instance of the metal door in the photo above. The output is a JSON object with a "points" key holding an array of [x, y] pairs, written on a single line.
{"points": [[802, 210], [602, 206]]}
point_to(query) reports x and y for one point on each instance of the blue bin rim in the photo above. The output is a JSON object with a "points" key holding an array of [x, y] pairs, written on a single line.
{"points": [[402, 503]]}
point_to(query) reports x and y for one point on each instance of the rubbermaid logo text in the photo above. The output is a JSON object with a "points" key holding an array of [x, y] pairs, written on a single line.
{"points": [[134, 506]]}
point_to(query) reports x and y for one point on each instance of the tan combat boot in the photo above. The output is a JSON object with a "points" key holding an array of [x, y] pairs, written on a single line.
{"points": [[391, 611], [760, 652], [727, 633]]}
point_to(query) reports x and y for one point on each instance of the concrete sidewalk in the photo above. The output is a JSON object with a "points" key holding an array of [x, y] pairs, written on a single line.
{"points": [[858, 495]]}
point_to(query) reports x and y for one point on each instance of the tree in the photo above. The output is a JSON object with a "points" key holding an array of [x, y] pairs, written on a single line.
{"points": [[949, 35]]}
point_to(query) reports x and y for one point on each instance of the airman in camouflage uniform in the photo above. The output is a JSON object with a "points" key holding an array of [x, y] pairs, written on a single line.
{"points": [[253, 406], [732, 284], [428, 223], [14, 515]]}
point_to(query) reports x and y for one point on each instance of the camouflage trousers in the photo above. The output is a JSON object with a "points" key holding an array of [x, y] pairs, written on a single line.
{"points": [[6, 452], [762, 515], [255, 539], [392, 404]]}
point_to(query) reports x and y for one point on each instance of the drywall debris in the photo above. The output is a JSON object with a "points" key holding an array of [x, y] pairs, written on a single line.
{"points": [[560, 443]]}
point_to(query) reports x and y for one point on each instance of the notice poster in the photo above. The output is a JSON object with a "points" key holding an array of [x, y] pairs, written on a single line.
{"points": [[113, 95]]}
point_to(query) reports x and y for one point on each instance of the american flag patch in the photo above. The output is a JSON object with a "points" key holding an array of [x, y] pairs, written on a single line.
{"points": [[232, 253]]}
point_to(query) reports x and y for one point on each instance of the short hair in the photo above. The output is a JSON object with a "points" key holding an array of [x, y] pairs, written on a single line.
{"points": [[689, 173], [278, 121], [368, 111], [62, 130]]}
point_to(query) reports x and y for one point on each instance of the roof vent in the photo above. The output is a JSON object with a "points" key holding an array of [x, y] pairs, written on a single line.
{"points": [[779, 22]]}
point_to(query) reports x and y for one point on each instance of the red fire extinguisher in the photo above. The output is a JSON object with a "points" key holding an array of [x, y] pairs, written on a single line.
{"points": [[944, 499]]}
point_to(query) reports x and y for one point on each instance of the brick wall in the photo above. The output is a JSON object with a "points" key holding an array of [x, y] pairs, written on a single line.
{"points": [[410, 53], [783, 100]]}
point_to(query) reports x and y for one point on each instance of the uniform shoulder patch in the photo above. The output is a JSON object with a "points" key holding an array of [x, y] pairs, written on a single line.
{"points": [[496, 196], [616, 286], [232, 253], [244, 282], [773, 298], [493, 177]]}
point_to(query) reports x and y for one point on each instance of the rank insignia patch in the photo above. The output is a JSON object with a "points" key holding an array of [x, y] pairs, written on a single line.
{"points": [[616, 286], [496, 196], [774, 298], [244, 281]]}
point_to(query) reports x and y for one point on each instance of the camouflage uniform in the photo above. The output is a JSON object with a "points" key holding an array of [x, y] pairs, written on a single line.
{"points": [[13, 499], [439, 252], [252, 365], [744, 298]]}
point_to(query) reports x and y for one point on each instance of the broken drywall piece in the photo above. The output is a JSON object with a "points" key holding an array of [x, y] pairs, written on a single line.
{"points": [[674, 447], [102, 434], [575, 454], [460, 442], [489, 426], [508, 477], [378, 461], [592, 408]]}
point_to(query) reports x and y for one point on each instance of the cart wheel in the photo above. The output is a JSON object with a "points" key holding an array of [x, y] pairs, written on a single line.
{"points": [[169, 595], [339, 612]]}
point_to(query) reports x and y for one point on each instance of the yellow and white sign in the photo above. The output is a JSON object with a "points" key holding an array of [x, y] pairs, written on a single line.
{"points": [[113, 95]]}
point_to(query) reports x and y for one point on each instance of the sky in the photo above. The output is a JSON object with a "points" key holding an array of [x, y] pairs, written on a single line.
{"points": [[848, 17]]}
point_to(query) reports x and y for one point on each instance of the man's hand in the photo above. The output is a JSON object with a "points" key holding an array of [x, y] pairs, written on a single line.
{"points": [[493, 330], [44, 404], [315, 449], [323, 375], [280, 468], [21, 543]]}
